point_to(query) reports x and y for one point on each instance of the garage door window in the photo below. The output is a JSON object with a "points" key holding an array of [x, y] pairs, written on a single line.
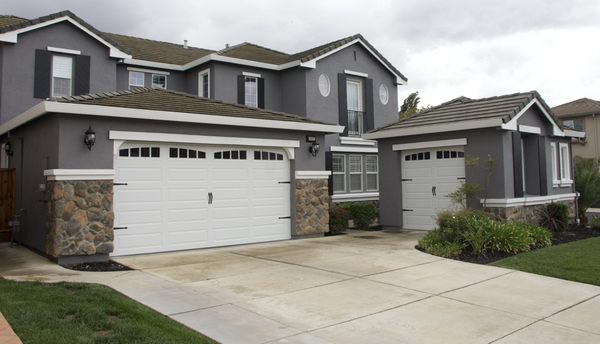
{"points": [[339, 173], [185, 153], [418, 156], [355, 172], [140, 152], [263, 155], [231, 155], [450, 154]]}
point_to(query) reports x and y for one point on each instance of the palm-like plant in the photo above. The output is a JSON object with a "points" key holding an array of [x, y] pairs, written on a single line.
{"points": [[587, 183]]}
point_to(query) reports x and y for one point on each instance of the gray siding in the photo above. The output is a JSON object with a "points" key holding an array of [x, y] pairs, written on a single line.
{"points": [[17, 81]]}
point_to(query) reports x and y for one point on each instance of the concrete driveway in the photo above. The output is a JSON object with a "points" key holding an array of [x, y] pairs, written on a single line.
{"points": [[358, 288]]}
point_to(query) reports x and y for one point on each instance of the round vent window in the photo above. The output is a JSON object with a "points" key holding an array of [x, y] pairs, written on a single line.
{"points": [[384, 94], [324, 85]]}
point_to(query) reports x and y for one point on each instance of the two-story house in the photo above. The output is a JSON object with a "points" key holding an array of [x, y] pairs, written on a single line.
{"points": [[583, 115], [123, 145]]}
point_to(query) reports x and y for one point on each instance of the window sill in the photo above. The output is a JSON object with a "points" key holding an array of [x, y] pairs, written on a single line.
{"points": [[356, 196]]}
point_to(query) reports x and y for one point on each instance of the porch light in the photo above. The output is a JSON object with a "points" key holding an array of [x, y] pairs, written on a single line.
{"points": [[89, 138], [314, 148], [8, 149]]}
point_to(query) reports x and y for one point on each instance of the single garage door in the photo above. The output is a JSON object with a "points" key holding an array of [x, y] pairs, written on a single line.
{"points": [[174, 196], [428, 176]]}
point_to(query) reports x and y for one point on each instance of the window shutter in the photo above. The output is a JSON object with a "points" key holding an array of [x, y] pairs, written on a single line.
{"points": [[329, 167], [517, 164], [42, 74], [261, 93], [369, 107], [342, 103], [542, 162], [241, 96], [82, 75]]}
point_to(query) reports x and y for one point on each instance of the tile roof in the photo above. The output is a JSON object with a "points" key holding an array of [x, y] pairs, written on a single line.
{"points": [[8, 20], [166, 100], [579, 107], [249, 51], [462, 109]]}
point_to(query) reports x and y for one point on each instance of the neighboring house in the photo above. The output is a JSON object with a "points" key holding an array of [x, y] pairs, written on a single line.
{"points": [[583, 115], [428, 156], [205, 148]]}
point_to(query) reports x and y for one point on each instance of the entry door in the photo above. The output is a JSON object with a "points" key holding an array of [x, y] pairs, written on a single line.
{"points": [[428, 176]]}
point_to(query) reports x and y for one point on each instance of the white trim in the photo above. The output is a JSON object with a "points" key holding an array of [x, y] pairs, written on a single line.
{"points": [[554, 159], [359, 173], [345, 140], [201, 139], [530, 129], [523, 201], [152, 64], [12, 36], [363, 196], [434, 128], [64, 51], [338, 173], [256, 75], [200, 83], [351, 72], [312, 174], [144, 70], [430, 144], [564, 179], [130, 85], [512, 124], [353, 149], [79, 174], [574, 133]]}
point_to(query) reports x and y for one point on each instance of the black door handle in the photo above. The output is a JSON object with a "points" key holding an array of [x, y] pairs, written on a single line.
{"points": [[433, 193], [210, 198]]}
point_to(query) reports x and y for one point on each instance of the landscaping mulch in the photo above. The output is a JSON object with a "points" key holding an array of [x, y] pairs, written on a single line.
{"points": [[98, 266], [573, 234]]}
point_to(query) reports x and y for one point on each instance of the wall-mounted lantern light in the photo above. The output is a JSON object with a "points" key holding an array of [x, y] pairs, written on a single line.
{"points": [[8, 149], [89, 138], [314, 147]]}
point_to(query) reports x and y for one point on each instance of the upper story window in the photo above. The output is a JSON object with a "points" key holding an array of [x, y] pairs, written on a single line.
{"points": [[355, 106], [575, 123], [136, 79], [159, 81], [251, 91], [204, 83], [62, 76]]}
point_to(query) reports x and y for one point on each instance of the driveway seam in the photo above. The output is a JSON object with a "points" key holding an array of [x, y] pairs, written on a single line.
{"points": [[474, 283]]}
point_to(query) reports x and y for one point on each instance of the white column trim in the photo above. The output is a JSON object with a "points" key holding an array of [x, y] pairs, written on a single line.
{"points": [[530, 129], [80, 174], [359, 141], [312, 174], [365, 196], [256, 75], [64, 51], [529, 200], [430, 144], [351, 72], [354, 149]]}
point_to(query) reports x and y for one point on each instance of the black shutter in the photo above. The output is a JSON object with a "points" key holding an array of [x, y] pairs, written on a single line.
{"points": [[542, 162], [261, 92], [329, 167], [342, 103], [82, 75], [517, 164], [241, 96], [42, 74], [369, 107]]}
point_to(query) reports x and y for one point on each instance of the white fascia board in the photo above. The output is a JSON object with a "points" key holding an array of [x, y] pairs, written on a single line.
{"points": [[79, 174], [29, 115], [152, 64], [12, 36], [363, 196], [312, 174], [530, 129], [430, 144], [256, 75], [64, 51], [353, 149], [434, 128], [524, 201], [145, 70], [199, 139], [574, 133], [359, 141], [512, 124], [351, 72]]}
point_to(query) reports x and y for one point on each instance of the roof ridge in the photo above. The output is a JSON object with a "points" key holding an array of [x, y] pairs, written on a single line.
{"points": [[157, 41]]}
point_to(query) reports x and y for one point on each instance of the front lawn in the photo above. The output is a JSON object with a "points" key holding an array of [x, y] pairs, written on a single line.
{"points": [[85, 313], [576, 261]]}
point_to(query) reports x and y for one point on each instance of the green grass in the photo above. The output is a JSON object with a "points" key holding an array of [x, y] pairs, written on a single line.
{"points": [[576, 261], [85, 313]]}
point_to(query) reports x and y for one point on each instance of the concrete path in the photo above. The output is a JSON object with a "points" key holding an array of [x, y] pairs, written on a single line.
{"points": [[360, 288]]}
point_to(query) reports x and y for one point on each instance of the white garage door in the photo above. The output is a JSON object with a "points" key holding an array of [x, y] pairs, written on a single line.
{"points": [[428, 176], [174, 196]]}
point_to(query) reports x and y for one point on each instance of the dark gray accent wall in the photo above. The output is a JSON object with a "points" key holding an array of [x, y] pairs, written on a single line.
{"points": [[534, 117], [293, 90], [18, 59], [192, 79]]}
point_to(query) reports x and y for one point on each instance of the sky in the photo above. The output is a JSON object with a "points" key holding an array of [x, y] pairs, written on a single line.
{"points": [[446, 48]]}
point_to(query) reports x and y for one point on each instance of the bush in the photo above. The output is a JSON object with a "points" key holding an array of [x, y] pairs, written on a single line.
{"points": [[440, 244], [595, 223], [540, 237], [362, 214], [587, 183], [555, 217], [338, 219]]}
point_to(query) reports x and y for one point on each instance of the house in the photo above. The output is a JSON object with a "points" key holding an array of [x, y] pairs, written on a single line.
{"points": [[511, 146], [583, 115], [122, 145]]}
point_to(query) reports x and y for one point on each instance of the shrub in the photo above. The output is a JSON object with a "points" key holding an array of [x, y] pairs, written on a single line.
{"points": [[540, 237], [438, 243], [338, 219], [587, 183], [362, 214], [555, 217], [595, 223]]}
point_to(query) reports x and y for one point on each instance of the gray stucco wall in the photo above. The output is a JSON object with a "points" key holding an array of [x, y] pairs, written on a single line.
{"points": [[17, 80], [293, 91], [192, 79]]}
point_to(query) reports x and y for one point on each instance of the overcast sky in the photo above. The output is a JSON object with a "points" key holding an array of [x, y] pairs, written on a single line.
{"points": [[446, 48]]}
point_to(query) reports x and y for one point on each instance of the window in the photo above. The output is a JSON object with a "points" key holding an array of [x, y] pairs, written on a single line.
{"points": [[576, 123], [355, 162], [62, 76], [338, 163], [384, 94], [355, 107], [262, 155], [136, 79], [231, 155], [251, 91], [159, 81], [565, 170], [324, 85], [140, 152], [184, 153], [204, 83], [554, 159], [372, 173], [418, 156]]}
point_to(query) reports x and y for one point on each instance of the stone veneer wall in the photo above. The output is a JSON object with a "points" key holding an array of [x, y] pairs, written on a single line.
{"points": [[80, 217], [529, 213], [312, 206]]}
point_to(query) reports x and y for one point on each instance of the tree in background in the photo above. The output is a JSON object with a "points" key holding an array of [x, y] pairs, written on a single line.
{"points": [[410, 105], [587, 183]]}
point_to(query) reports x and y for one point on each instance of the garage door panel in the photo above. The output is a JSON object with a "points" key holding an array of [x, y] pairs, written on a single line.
{"points": [[188, 238], [140, 174], [192, 194]]}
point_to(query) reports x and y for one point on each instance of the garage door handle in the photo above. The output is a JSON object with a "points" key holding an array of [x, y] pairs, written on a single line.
{"points": [[117, 184], [210, 198], [433, 191]]}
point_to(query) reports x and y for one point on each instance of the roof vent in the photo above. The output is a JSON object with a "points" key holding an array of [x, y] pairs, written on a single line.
{"points": [[185, 45]]}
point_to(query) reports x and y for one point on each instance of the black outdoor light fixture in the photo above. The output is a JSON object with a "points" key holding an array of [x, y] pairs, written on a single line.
{"points": [[89, 138], [8, 148], [314, 147]]}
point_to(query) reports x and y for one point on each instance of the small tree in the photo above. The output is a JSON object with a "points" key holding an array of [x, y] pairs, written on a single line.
{"points": [[410, 105], [587, 183]]}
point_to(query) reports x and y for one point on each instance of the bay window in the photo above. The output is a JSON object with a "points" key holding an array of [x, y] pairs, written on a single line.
{"points": [[339, 172], [372, 169], [355, 162]]}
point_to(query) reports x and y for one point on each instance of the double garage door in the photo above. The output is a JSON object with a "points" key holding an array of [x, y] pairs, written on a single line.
{"points": [[174, 196], [428, 176]]}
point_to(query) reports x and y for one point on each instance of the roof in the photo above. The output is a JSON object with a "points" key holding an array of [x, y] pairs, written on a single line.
{"points": [[8, 20], [579, 107], [253, 52]]}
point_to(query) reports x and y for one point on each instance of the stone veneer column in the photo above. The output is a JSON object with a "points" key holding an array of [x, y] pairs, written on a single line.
{"points": [[527, 213], [80, 217], [312, 206]]}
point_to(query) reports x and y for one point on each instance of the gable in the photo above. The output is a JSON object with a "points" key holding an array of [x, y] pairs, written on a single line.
{"points": [[534, 118]]}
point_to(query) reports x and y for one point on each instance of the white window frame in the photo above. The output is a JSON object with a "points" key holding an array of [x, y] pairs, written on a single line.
{"points": [[555, 166], [360, 173], [131, 72], [523, 161], [343, 173], [254, 101], [565, 166], [361, 106], [70, 93], [376, 173], [201, 75], [156, 85]]}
